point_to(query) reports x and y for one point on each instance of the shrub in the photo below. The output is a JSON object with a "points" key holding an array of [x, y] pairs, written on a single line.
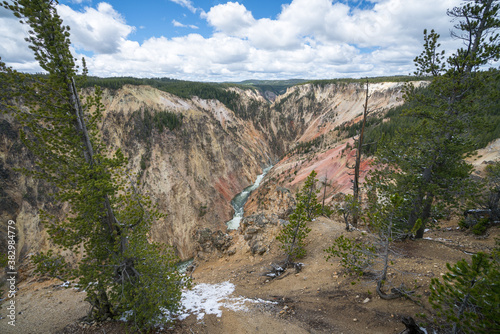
{"points": [[354, 255]]}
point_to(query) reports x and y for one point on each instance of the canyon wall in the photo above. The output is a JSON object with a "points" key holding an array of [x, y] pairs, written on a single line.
{"points": [[312, 115], [193, 171]]}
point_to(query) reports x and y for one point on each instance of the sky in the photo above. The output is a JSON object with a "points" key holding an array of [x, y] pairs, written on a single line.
{"points": [[216, 41]]}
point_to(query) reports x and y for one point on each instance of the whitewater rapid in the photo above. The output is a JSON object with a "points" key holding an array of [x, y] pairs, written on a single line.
{"points": [[239, 201]]}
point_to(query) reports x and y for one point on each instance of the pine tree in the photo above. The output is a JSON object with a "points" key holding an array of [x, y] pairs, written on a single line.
{"points": [[373, 254], [424, 162], [348, 207], [293, 235], [493, 193], [469, 296], [120, 270]]}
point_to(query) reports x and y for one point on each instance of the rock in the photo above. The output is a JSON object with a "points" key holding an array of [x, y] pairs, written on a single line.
{"points": [[258, 248], [209, 241], [366, 300], [252, 230], [259, 232], [411, 326]]}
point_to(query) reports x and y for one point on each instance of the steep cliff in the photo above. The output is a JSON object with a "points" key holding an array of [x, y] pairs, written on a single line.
{"points": [[311, 115], [192, 171]]}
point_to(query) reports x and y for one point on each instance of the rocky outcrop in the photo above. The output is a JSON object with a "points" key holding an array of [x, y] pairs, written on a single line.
{"points": [[260, 230], [210, 242], [271, 198]]}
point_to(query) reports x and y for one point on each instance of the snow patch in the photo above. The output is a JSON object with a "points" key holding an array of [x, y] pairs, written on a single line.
{"points": [[66, 284], [438, 239], [210, 298], [126, 315]]}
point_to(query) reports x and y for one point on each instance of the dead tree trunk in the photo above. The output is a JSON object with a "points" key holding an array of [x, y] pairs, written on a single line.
{"points": [[325, 184], [355, 186]]}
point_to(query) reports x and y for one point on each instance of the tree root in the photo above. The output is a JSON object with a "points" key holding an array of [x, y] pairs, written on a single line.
{"points": [[395, 293]]}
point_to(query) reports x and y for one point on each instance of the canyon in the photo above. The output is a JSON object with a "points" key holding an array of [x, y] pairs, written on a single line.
{"points": [[193, 172]]}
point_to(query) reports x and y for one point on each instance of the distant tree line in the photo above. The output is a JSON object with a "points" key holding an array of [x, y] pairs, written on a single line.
{"points": [[395, 78], [183, 89]]}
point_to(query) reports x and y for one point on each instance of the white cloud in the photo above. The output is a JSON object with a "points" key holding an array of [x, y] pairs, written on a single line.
{"points": [[186, 3], [180, 25], [231, 18], [100, 30], [14, 51], [308, 39], [79, 1]]}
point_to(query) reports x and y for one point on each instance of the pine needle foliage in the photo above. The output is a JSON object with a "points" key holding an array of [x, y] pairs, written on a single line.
{"points": [[468, 297], [355, 256], [107, 221], [293, 235]]}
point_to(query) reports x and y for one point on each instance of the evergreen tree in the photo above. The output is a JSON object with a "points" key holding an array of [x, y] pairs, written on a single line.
{"points": [[120, 270], [493, 192], [469, 296], [373, 254], [293, 235], [349, 206], [424, 162]]}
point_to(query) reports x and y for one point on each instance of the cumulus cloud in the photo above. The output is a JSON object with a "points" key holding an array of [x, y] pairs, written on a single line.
{"points": [[308, 39], [99, 30], [14, 51], [231, 18]]}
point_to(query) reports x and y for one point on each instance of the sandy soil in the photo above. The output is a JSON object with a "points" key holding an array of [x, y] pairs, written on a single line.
{"points": [[319, 299], [44, 306]]}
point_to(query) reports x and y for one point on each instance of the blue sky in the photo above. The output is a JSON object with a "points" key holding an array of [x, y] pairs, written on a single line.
{"points": [[216, 40]]}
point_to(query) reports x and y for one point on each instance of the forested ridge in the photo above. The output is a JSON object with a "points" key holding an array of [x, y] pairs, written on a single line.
{"points": [[384, 127]]}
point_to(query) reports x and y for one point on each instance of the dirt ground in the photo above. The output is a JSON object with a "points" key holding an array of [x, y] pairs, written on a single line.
{"points": [[319, 299]]}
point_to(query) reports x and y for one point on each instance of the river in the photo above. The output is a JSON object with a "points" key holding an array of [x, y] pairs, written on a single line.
{"points": [[239, 201]]}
